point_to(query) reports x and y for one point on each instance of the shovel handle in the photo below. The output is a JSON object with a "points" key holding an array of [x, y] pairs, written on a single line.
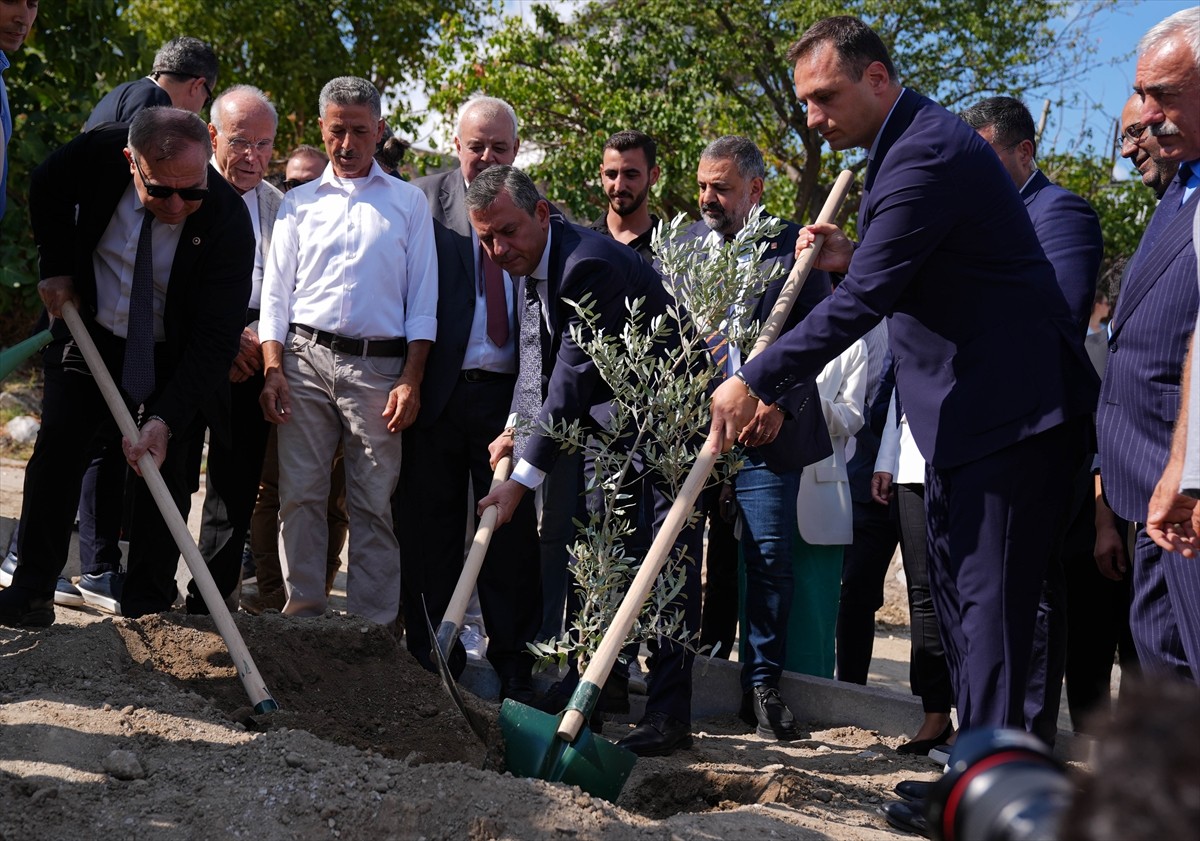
{"points": [[479, 546], [602, 662], [251, 680]]}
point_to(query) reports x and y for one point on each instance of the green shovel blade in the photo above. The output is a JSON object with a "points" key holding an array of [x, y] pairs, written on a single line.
{"points": [[532, 748], [11, 358]]}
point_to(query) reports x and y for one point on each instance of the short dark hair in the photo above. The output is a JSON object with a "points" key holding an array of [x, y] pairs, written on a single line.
{"points": [[305, 149], [741, 150], [162, 132], [630, 138], [857, 45], [1010, 120], [189, 57], [487, 186]]}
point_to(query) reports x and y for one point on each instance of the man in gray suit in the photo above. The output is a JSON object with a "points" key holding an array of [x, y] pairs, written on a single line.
{"points": [[243, 137], [465, 401]]}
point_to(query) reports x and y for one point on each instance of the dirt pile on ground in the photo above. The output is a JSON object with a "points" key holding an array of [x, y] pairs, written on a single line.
{"points": [[121, 728]]}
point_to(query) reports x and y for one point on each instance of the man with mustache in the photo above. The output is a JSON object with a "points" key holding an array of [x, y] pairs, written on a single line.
{"points": [[1149, 336], [350, 292], [627, 172]]}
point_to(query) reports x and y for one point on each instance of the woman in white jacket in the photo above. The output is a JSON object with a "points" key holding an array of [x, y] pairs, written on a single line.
{"points": [[825, 520], [899, 482]]}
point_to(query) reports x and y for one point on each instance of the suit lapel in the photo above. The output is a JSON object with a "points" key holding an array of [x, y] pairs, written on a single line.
{"points": [[1148, 267], [453, 197], [899, 121], [1035, 185]]}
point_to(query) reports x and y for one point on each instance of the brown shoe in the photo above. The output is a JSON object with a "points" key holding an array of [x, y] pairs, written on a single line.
{"points": [[257, 604]]}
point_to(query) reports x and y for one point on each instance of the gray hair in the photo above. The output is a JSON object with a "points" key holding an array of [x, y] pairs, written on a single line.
{"points": [[490, 108], [488, 185], [305, 149], [1185, 23], [241, 91], [187, 56], [350, 90], [162, 132], [742, 150]]}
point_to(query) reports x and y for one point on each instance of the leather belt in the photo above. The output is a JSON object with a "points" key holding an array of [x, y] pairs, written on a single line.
{"points": [[352, 347], [479, 375]]}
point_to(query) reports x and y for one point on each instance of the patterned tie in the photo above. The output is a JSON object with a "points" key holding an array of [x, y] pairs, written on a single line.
{"points": [[137, 371], [529, 371], [497, 306]]}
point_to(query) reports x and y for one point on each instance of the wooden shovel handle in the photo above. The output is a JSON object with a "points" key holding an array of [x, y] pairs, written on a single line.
{"points": [[606, 655], [479, 546], [251, 680]]}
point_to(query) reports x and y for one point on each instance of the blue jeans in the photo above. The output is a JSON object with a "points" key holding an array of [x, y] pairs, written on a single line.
{"points": [[768, 505]]}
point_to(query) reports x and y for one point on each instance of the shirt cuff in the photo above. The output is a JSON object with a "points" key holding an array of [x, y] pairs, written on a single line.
{"points": [[528, 475]]}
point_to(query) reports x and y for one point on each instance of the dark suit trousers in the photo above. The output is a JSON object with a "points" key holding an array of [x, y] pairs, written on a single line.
{"points": [[430, 516], [73, 414], [863, 570], [1159, 610], [993, 526], [234, 470]]}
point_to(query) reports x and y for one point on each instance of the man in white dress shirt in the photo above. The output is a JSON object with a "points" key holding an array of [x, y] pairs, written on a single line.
{"points": [[349, 314]]}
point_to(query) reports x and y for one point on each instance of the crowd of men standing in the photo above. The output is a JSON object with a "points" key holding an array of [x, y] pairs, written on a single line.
{"points": [[362, 350]]}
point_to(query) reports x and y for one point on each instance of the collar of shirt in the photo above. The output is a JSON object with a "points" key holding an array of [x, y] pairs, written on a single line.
{"points": [[875, 143], [1193, 180], [640, 243], [1027, 180], [347, 185]]}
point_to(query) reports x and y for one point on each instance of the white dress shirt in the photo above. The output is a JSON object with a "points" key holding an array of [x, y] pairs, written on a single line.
{"points": [[113, 262], [481, 353], [352, 256]]}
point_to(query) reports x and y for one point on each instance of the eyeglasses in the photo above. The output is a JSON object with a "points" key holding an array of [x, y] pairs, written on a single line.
{"points": [[241, 145], [161, 191], [293, 183], [1132, 134]]}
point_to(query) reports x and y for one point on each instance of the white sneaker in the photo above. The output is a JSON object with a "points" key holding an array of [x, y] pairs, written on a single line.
{"points": [[474, 642], [7, 568]]}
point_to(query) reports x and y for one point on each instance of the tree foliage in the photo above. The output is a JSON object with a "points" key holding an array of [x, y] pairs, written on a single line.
{"points": [[688, 73]]}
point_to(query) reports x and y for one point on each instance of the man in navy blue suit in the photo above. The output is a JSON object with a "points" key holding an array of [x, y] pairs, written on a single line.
{"points": [[561, 263], [1148, 340], [948, 252], [1069, 232]]}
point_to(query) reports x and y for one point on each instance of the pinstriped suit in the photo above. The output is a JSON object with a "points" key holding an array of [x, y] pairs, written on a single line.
{"points": [[1139, 402]]}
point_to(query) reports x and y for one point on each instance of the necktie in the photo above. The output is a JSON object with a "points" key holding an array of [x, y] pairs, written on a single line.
{"points": [[137, 371], [497, 306], [529, 372]]}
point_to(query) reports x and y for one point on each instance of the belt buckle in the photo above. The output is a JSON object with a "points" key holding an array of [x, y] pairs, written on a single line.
{"points": [[340, 344], [471, 375]]}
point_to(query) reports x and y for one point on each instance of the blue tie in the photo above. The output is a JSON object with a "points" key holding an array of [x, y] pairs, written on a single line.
{"points": [[137, 370]]}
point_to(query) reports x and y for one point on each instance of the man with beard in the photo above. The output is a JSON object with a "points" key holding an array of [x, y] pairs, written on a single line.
{"points": [[627, 173], [730, 178]]}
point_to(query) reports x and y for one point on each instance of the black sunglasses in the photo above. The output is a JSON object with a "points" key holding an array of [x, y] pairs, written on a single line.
{"points": [[293, 183], [160, 191]]}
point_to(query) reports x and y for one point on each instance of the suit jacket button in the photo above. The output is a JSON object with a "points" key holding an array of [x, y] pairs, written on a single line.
{"points": [[1112, 348]]}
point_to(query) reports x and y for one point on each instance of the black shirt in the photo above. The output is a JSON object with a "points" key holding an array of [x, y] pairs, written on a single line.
{"points": [[641, 245]]}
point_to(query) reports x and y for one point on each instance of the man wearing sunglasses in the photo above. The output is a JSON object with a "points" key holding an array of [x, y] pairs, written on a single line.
{"points": [[157, 251], [184, 76]]}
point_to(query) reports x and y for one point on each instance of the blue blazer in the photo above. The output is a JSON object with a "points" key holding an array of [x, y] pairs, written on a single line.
{"points": [[985, 351], [804, 437], [1139, 402], [583, 262], [1069, 232]]}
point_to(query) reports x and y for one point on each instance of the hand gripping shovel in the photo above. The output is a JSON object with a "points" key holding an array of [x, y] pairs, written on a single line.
{"points": [[447, 631], [12, 357], [259, 696], [562, 748]]}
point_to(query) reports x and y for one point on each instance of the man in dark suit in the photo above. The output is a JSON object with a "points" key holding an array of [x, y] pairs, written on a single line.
{"points": [[730, 178], [243, 137], [1148, 340], [465, 399], [166, 323], [561, 263], [184, 76], [959, 275], [1069, 232]]}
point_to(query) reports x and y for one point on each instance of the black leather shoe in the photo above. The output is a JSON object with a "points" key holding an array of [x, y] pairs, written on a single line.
{"points": [[913, 790], [20, 609], [909, 817], [763, 708], [657, 735], [519, 689], [922, 747]]}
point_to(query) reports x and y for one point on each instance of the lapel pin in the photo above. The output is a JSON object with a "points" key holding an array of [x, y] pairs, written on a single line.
{"points": [[195, 240]]}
